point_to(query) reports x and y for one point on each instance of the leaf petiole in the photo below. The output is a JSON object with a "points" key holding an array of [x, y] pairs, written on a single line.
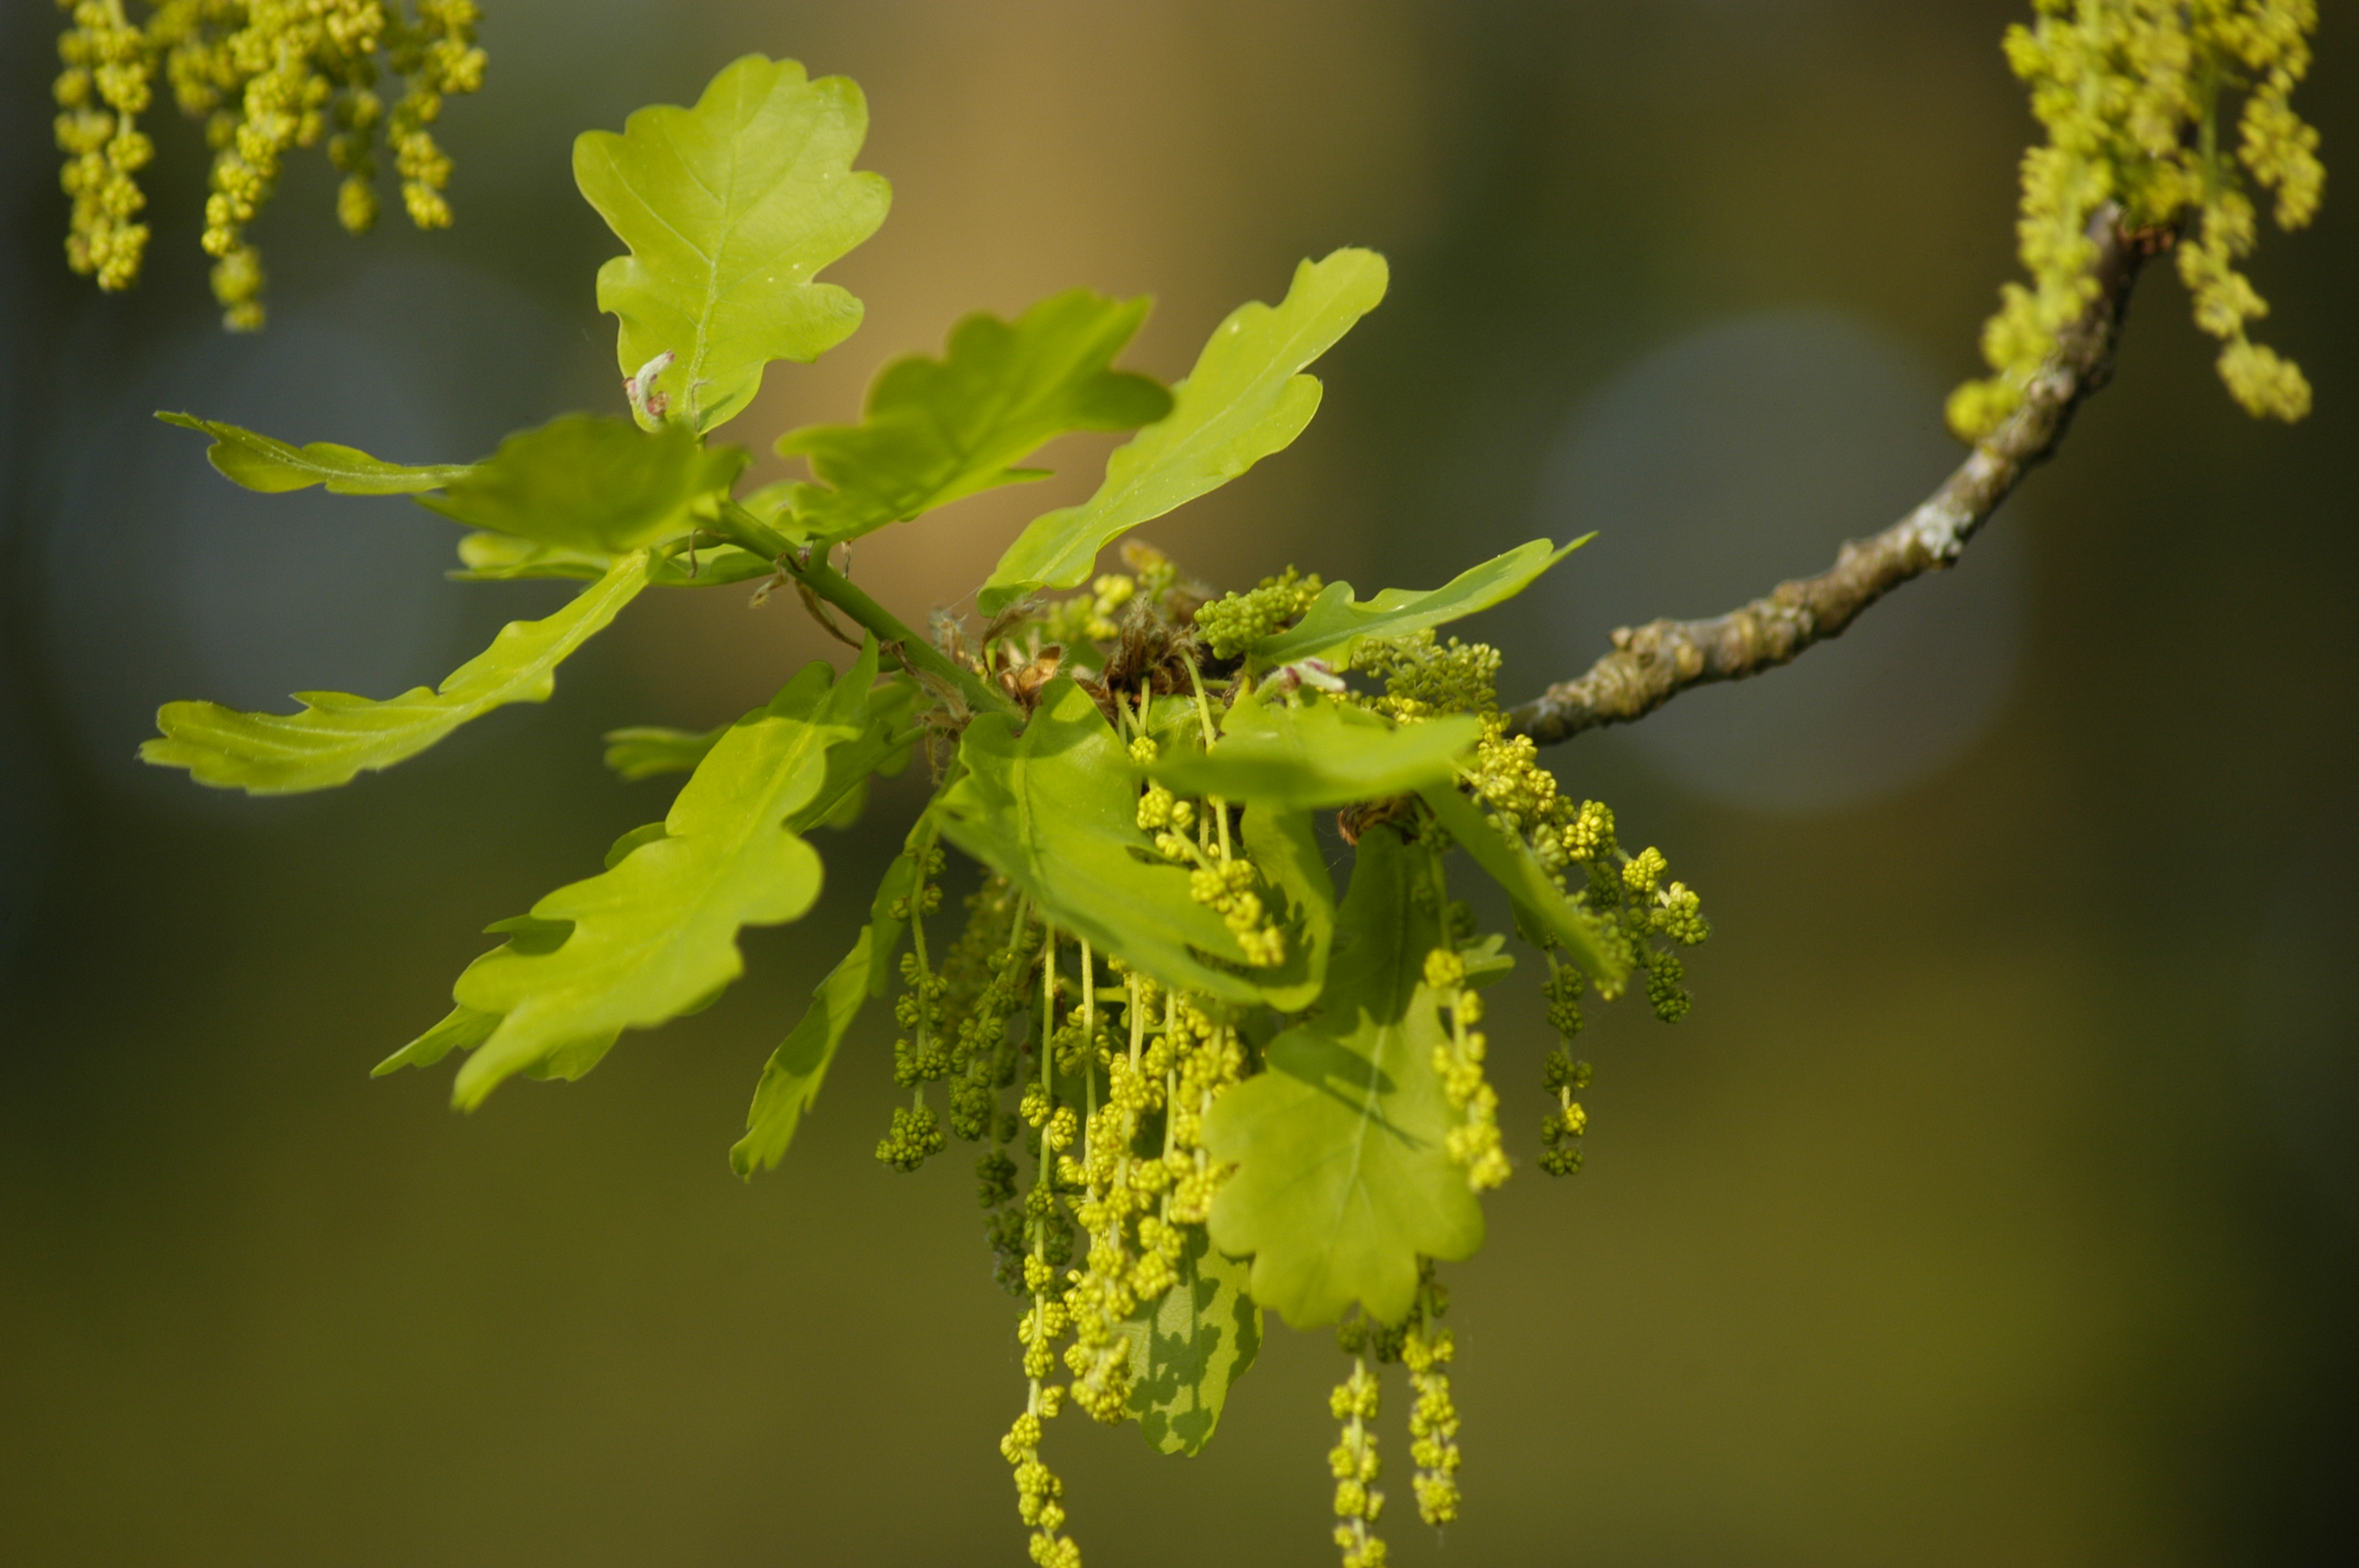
{"points": [[913, 653]]}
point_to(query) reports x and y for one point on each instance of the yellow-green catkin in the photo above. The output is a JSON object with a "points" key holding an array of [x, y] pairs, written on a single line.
{"points": [[1117, 1190], [1354, 1460], [1223, 880], [1474, 1145], [2135, 96], [1039, 1492], [1641, 912], [1233, 623], [264, 76], [923, 1055], [1427, 1350], [1564, 1078], [107, 85]]}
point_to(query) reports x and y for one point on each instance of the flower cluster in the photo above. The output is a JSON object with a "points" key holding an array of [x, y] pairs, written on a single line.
{"points": [[1225, 882], [1646, 917], [266, 76], [2131, 93], [1432, 1421], [1230, 625], [1356, 1464], [1119, 1189], [1474, 1143], [1039, 1494], [107, 85], [1127, 1068], [1228, 891], [1425, 678], [1090, 616], [1037, 1490], [922, 1055], [1561, 1131]]}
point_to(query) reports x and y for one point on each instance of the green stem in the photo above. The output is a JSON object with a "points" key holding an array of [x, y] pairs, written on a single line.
{"points": [[1220, 807], [912, 651]]}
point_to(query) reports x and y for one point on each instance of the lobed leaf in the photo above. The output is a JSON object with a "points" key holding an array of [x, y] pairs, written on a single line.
{"points": [[588, 484], [1245, 400], [1318, 755], [1332, 628], [1342, 1180], [465, 1028], [1541, 905], [790, 1079], [274, 467], [729, 210], [937, 430], [502, 557], [462, 1028], [1054, 810], [1190, 1347], [645, 751], [655, 935], [338, 736]]}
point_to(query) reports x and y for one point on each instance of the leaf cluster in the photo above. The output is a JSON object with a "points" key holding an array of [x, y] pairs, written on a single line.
{"points": [[1234, 1090]]}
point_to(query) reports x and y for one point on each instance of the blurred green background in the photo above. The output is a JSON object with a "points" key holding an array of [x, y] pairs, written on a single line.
{"points": [[1998, 1203]]}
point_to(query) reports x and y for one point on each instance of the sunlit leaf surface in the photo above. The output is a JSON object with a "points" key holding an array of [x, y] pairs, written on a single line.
{"points": [[1189, 1346], [729, 209], [655, 935], [1343, 1181], [1539, 906], [1054, 808], [645, 751], [1336, 622], [938, 430], [337, 736], [259, 463], [585, 483], [1319, 754], [1246, 399]]}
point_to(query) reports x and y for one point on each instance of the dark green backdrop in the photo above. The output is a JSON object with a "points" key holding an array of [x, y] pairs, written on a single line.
{"points": [[1999, 1203]]}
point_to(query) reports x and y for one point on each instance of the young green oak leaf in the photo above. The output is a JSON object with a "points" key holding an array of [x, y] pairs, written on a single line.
{"points": [[1190, 1347], [338, 736], [937, 430], [274, 467], [461, 1029], [1343, 1179], [1332, 628], [729, 209], [503, 557], [1246, 399], [586, 483], [1541, 909], [646, 751], [1054, 810], [790, 1079], [1318, 755], [465, 1028], [655, 935]]}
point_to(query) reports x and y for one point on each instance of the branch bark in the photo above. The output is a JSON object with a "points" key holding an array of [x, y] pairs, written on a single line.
{"points": [[1652, 664]]}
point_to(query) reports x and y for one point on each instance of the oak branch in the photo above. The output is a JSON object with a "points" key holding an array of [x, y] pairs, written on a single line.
{"points": [[1652, 664]]}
